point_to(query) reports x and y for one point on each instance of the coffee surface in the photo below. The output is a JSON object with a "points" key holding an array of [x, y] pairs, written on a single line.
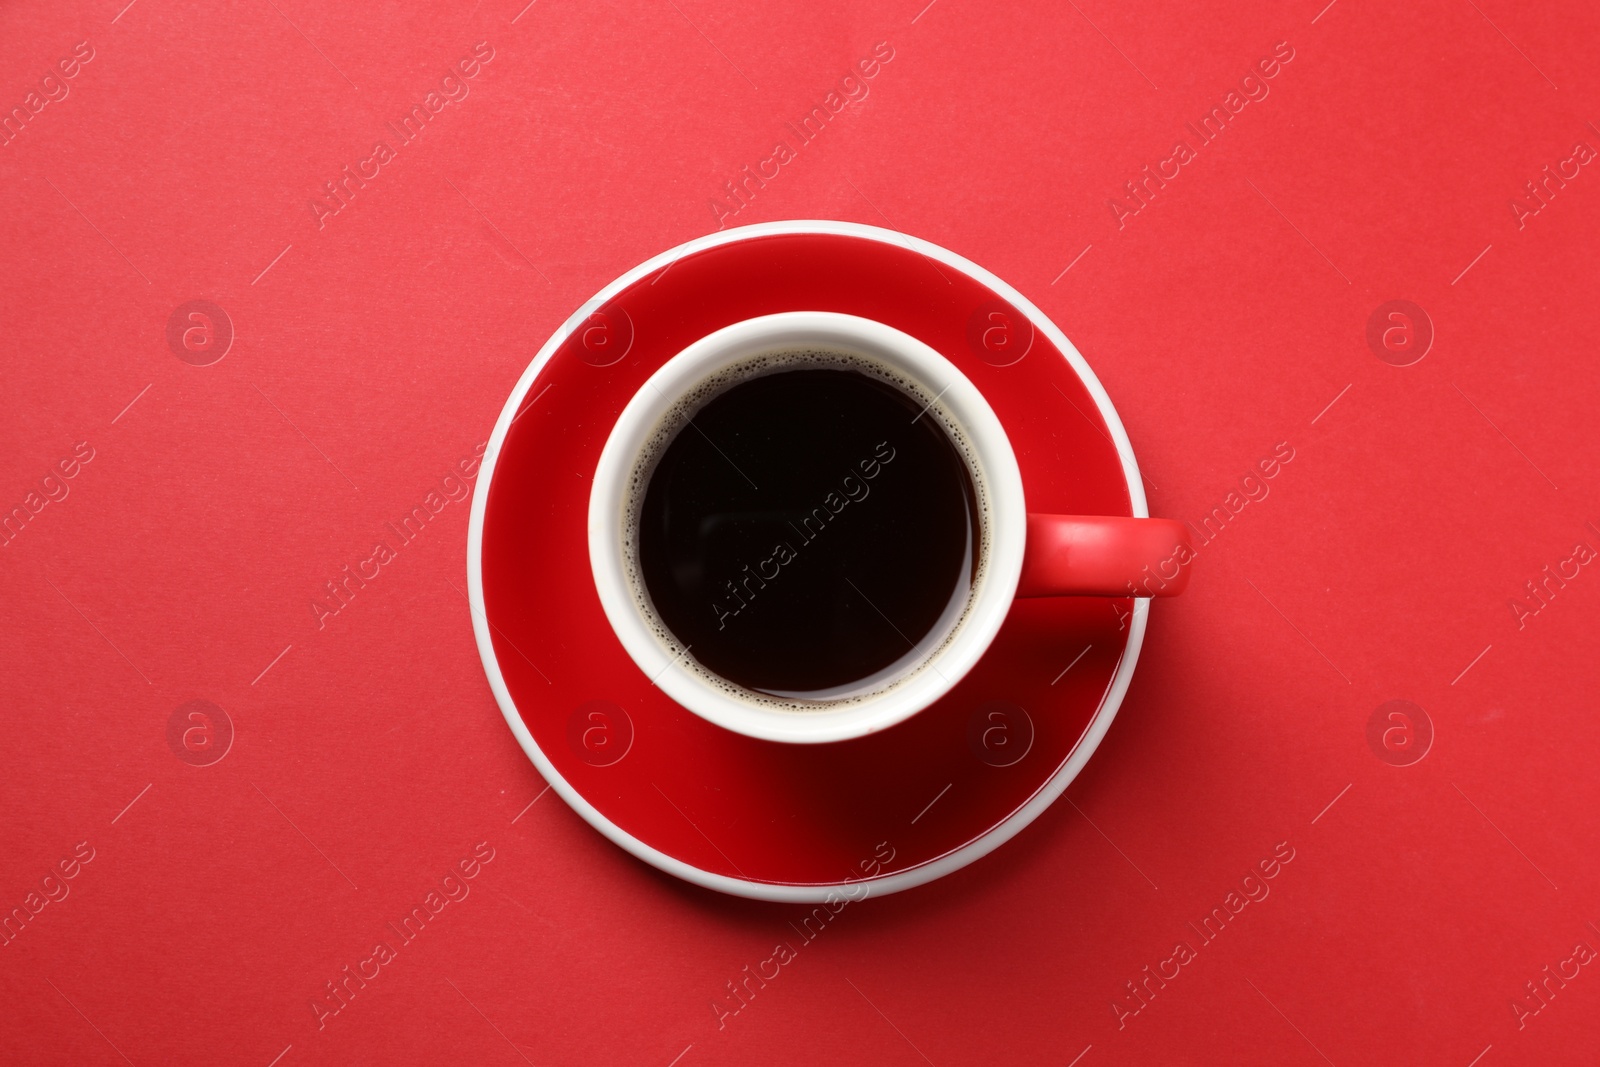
{"points": [[808, 529]]}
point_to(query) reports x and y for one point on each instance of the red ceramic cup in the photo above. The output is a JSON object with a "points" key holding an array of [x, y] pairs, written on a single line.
{"points": [[1023, 554]]}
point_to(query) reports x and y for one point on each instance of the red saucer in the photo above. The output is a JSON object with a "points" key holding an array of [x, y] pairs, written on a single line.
{"points": [[758, 818]]}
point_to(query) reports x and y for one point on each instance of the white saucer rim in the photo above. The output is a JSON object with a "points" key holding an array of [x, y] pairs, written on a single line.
{"points": [[926, 872]]}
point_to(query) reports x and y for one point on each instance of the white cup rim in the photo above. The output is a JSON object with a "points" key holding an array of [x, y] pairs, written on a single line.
{"points": [[956, 399]]}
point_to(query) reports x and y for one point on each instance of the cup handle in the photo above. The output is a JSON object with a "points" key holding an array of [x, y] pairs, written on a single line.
{"points": [[1105, 555]]}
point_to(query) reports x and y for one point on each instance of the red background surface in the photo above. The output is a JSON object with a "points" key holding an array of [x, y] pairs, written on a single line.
{"points": [[374, 352]]}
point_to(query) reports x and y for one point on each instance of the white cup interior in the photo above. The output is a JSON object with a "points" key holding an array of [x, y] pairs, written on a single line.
{"points": [[899, 691]]}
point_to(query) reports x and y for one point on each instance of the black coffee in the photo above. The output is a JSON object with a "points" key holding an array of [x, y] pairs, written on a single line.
{"points": [[808, 529]]}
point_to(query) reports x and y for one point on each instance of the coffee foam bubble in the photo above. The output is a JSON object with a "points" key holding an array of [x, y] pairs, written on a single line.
{"points": [[678, 416]]}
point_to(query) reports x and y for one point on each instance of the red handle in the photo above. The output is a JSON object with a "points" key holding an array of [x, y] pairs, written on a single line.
{"points": [[1105, 555]]}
